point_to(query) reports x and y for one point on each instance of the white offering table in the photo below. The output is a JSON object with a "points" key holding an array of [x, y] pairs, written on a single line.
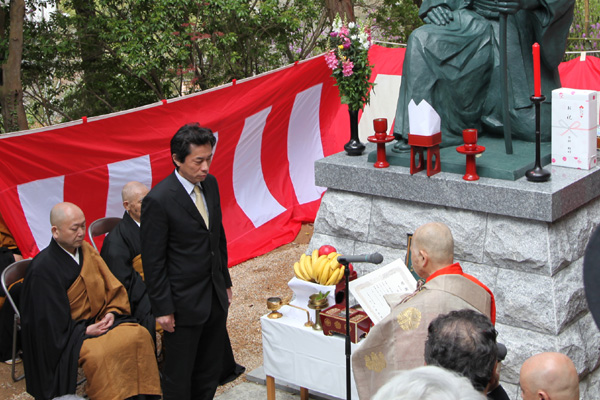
{"points": [[304, 357]]}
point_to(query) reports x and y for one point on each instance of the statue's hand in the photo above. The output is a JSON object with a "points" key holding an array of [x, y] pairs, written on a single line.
{"points": [[439, 15]]}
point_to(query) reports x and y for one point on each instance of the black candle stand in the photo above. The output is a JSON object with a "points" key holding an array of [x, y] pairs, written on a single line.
{"points": [[537, 174]]}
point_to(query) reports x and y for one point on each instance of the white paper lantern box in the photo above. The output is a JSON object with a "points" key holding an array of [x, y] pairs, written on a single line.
{"points": [[574, 128]]}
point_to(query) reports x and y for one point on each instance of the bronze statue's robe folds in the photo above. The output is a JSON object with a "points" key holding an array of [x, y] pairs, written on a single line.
{"points": [[455, 67], [60, 299], [398, 341]]}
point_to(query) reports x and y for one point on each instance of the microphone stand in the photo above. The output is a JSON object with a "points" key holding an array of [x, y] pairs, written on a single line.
{"points": [[348, 348]]}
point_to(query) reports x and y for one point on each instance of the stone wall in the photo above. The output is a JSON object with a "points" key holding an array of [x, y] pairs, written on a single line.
{"points": [[533, 266]]}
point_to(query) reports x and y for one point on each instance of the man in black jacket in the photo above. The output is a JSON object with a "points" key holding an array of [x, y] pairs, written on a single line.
{"points": [[464, 341], [184, 252]]}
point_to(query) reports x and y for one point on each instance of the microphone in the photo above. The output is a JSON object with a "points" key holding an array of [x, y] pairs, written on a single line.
{"points": [[374, 258]]}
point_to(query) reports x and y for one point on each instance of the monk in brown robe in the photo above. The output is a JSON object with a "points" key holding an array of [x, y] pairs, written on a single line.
{"points": [[398, 341], [74, 312]]}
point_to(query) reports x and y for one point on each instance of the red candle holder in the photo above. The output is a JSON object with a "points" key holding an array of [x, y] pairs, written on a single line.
{"points": [[381, 138], [470, 149]]}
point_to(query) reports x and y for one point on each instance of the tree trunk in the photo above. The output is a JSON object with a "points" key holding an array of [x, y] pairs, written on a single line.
{"points": [[94, 98], [11, 89], [345, 8]]}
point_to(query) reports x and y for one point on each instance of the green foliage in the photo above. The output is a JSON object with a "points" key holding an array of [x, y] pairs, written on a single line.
{"points": [[584, 34], [97, 56], [394, 20]]}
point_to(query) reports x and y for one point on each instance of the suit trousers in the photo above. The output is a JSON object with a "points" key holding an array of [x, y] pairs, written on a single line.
{"points": [[194, 357]]}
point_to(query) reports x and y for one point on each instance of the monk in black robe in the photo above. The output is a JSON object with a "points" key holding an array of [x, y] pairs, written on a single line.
{"points": [[121, 252], [74, 312]]}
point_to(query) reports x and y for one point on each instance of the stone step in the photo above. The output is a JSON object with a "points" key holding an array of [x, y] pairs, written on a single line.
{"points": [[256, 389]]}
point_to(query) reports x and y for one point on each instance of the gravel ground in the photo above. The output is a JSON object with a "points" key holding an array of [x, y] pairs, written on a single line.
{"points": [[253, 282]]}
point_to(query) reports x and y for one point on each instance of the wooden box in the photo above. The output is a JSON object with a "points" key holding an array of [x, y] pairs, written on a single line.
{"points": [[333, 320]]}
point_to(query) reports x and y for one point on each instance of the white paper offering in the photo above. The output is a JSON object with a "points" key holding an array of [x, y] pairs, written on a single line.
{"points": [[423, 120], [369, 290]]}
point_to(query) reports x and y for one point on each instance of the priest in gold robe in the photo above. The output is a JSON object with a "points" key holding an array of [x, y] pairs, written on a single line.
{"points": [[74, 312], [398, 341]]}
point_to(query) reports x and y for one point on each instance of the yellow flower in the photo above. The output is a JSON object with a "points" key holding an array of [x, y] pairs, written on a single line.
{"points": [[341, 47]]}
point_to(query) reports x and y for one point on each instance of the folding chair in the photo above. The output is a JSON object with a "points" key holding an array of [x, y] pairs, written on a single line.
{"points": [[13, 273], [101, 227]]}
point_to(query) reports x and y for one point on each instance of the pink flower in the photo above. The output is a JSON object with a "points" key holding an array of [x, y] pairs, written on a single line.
{"points": [[347, 43], [333, 34], [331, 60], [344, 31], [347, 67]]}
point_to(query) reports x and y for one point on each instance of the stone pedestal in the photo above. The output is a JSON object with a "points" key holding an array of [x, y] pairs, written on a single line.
{"points": [[524, 240]]}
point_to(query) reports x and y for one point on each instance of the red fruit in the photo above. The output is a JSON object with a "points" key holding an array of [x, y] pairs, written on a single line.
{"points": [[326, 249]]}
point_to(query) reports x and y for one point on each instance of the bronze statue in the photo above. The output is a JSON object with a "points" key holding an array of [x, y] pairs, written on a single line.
{"points": [[453, 62]]}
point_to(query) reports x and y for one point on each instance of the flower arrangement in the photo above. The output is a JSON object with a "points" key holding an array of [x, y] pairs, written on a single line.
{"points": [[348, 59]]}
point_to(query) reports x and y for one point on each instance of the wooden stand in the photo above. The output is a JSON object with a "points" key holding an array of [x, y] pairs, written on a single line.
{"points": [[418, 144], [271, 390]]}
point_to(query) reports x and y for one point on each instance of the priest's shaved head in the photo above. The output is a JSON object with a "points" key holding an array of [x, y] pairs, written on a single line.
{"points": [[432, 248], [68, 226], [549, 376], [133, 193]]}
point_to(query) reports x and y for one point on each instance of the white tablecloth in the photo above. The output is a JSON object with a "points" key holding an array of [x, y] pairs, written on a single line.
{"points": [[305, 357]]}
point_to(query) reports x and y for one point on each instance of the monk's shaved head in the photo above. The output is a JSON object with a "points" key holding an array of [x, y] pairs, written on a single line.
{"points": [[133, 193], [436, 239], [549, 376], [432, 248], [63, 211], [68, 225], [132, 190]]}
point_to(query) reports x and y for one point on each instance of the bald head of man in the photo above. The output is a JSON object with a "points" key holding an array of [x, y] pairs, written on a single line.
{"points": [[432, 248], [549, 376], [68, 226], [133, 193]]}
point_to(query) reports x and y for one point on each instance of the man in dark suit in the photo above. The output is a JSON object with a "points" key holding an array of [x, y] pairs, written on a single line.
{"points": [[184, 253]]}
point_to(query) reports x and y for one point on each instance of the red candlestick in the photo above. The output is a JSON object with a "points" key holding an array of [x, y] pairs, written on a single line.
{"points": [[537, 78]]}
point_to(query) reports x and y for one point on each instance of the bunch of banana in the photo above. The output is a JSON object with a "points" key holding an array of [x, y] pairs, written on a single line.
{"points": [[324, 269]]}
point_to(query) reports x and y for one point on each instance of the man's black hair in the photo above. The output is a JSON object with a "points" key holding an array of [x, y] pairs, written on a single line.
{"points": [[187, 135], [463, 341]]}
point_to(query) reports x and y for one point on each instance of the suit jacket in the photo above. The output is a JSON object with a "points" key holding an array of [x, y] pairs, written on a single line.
{"points": [[184, 261]]}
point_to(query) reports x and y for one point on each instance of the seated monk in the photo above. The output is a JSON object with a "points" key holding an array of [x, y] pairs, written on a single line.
{"points": [[121, 252], [74, 312], [398, 341]]}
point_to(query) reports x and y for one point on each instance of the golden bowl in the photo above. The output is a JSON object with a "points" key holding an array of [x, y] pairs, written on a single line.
{"points": [[274, 304]]}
